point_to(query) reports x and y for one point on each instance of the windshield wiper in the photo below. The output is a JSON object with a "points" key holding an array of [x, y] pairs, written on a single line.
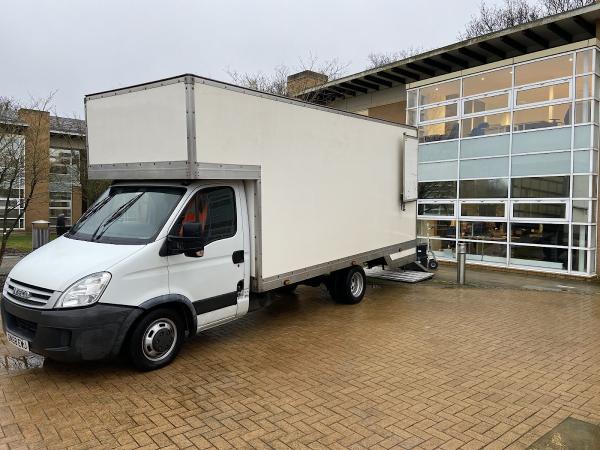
{"points": [[114, 216], [86, 215]]}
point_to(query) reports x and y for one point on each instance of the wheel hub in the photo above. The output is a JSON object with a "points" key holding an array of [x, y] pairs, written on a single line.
{"points": [[159, 339], [356, 284]]}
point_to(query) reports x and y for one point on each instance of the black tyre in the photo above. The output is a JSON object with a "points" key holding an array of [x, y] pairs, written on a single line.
{"points": [[433, 264], [288, 288], [156, 339], [349, 285]]}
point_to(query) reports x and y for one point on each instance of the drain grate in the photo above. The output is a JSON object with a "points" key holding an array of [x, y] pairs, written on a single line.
{"points": [[405, 276], [572, 434]]}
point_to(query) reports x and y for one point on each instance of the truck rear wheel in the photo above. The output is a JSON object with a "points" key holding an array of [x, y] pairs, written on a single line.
{"points": [[156, 339], [348, 286]]}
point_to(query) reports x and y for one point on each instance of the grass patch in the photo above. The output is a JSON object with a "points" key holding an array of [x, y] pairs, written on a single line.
{"points": [[19, 242]]}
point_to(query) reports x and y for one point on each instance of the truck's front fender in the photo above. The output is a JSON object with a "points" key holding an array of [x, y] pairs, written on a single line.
{"points": [[175, 299]]}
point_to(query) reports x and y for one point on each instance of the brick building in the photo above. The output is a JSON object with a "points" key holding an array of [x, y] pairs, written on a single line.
{"points": [[61, 142]]}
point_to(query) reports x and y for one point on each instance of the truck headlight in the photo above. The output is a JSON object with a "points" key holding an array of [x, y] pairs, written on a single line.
{"points": [[85, 291]]}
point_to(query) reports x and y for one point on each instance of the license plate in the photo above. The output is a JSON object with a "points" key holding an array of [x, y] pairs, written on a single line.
{"points": [[18, 342]]}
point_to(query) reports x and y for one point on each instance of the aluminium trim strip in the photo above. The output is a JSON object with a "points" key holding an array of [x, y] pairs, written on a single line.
{"points": [[181, 170], [266, 284]]}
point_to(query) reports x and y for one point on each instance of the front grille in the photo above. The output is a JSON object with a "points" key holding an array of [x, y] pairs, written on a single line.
{"points": [[27, 294], [21, 327]]}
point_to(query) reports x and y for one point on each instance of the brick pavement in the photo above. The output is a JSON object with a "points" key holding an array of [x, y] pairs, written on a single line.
{"points": [[413, 366]]}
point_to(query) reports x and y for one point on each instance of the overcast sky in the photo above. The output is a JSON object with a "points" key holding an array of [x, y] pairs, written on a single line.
{"points": [[77, 47]]}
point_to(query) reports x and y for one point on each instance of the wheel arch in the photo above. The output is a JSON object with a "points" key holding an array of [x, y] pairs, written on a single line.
{"points": [[179, 302]]}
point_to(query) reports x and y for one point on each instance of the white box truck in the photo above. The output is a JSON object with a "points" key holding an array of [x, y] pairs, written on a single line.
{"points": [[219, 195]]}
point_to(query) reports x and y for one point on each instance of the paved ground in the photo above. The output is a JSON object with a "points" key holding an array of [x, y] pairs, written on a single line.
{"points": [[413, 366]]}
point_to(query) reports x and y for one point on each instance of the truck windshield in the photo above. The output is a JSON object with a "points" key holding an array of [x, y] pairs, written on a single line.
{"points": [[127, 215]]}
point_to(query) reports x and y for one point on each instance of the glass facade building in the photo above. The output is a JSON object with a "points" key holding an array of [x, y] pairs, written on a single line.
{"points": [[64, 176], [508, 163]]}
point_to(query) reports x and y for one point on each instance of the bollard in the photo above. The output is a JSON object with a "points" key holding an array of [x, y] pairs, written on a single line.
{"points": [[461, 258], [40, 233]]}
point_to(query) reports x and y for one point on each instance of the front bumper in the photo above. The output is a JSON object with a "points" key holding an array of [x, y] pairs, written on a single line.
{"points": [[90, 333]]}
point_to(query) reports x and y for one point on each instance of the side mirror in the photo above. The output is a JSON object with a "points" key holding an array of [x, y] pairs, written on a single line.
{"points": [[190, 244]]}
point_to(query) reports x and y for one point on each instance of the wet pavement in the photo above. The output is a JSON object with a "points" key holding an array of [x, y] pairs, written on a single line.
{"points": [[428, 365]]}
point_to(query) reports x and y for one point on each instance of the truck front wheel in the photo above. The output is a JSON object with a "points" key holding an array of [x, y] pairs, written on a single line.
{"points": [[156, 339], [348, 286]]}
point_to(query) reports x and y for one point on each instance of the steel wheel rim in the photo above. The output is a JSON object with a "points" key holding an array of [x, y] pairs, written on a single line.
{"points": [[159, 339], [356, 284]]}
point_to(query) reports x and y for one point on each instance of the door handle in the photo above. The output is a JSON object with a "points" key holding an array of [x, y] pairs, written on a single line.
{"points": [[238, 257]]}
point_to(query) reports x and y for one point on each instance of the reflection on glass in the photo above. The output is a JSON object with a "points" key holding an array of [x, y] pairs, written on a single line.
{"points": [[482, 209], [546, 69], [486, 231], [583, 62], [539, 257], [584, 236], [436, 228], [583, 111], [439, 92], [540, 187], [411, 99], [485, 104], [439, 112], [436, 209], [443, 249], [411, 117], [581, 211], [439, 131], [491, 188], [579, 260], [487, 82], [486, 252], [437, 190], [540, 210], [581, 186], [540, 233], [485, 125], [542, 117], [583, 86], [541, 164], [543, 94]]}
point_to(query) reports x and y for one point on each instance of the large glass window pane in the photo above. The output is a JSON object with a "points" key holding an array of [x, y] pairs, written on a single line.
{"points": [[439, 112], [482, 209], [436, 209], [437, 171], [540, 210], [487, 82], [546, 69], [541, 164], [542, 141], [436, 228], [583, 86], [439, 92], [583, 136], [484, 168], [583, 111], [579, 260], [582, 161], [484, 125], [583, 61], [443, 249], [584, 236], [543, 94], [542, 117], [540, 187], [540, 233], [581, 186], [484, 104], [494, 188], [438, 151], [437, 190], [486, 231], [411, 117], [439, 131], [539, 257], [411, 98], [581, 211], [486, 252], [485, 146]]}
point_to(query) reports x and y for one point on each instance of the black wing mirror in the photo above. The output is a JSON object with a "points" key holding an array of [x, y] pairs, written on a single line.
{"points": [[190, 244]]}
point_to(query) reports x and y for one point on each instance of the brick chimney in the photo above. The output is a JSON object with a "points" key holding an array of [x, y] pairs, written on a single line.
{"points": [[301, 81]]}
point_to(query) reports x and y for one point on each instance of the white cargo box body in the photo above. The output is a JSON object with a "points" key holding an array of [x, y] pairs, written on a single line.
{"points": [[324, 187]]}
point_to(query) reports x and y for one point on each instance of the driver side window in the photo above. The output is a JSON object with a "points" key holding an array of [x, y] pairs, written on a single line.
{"points": [[214, 210]]}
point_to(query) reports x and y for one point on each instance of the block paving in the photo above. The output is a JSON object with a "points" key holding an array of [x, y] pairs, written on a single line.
{"points": [[413, 366]]}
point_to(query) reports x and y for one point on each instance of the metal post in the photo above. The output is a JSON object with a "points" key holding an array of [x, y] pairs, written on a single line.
{"points": [[40, 233], [461, 258]]}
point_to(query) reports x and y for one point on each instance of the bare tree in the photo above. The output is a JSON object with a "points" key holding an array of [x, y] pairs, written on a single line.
{"points": [[23, 162], [376, 60], [515, 12], [275, 82]]}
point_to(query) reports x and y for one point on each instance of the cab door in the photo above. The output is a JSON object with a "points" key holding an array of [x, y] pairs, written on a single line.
{"points": [[211, 279]]}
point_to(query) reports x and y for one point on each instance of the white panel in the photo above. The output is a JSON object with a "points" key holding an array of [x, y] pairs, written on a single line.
{"points": [[410, 168], [143, 126], [329, 184]]}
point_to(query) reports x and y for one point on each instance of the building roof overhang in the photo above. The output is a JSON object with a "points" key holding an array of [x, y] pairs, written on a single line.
{"points": [[545, 33]]}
